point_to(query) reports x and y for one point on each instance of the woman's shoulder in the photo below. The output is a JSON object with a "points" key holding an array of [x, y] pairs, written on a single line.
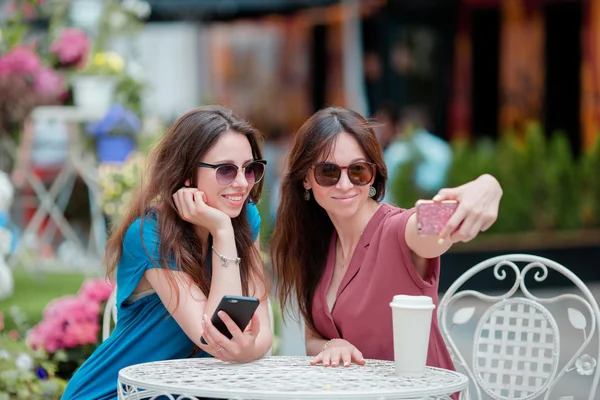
{"points": [[143, 231], [392, 211], [254, 219], [395, 217]]}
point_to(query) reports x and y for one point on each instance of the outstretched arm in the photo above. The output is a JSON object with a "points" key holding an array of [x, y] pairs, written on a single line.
{"points": [[477, 211]]}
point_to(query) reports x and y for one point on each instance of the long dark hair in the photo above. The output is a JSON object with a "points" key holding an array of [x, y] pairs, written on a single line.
{"points": [[173, 161], [303, 228]]}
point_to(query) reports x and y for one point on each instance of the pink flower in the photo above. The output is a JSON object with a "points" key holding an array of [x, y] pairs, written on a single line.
{"points": [[49, 83], [71, 308], [98, 290], [71, 48], [14, 335], [1, 321], [27, 9], [72, 321], [69, 322], [46, 335], [19, 61], [83, 333]]}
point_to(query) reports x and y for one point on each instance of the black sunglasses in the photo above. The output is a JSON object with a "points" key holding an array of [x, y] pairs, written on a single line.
{"points": [[328, 174], [226, 173]]}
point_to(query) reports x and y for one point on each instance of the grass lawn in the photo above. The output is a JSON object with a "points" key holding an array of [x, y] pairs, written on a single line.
{"points": [[33, 292]]}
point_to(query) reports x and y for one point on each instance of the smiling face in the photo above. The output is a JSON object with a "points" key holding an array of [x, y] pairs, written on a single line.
{"points": [[343, 199], [234, 148]]}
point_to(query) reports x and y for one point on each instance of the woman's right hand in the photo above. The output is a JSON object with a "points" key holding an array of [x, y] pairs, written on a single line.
{"points": [[242, 345], [191, 207], [336, 351]]}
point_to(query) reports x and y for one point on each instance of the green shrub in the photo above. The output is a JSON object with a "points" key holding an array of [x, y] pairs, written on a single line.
{"points": [[545, 188]]}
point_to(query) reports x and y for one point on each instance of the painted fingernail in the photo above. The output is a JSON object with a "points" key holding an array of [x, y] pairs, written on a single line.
{"points": [[441, 241], [334, 364], [346, 364]]}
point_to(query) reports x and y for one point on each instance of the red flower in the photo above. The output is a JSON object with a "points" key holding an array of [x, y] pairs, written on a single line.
{"points": [[49, 83], [19, 61], [71, 48], [27, 9]]}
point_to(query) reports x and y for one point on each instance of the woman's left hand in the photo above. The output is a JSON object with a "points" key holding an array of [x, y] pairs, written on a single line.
{"points": [[477, 208], [241, 346]]}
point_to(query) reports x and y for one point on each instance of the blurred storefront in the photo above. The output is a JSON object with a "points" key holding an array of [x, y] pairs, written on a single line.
{"points": [[474, 68], [479, 68], [274, 61], [518, 61]]}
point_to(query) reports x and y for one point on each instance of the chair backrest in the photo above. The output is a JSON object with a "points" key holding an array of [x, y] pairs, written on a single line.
{"points": [[513, 342], [272, 320], [110, 315]]}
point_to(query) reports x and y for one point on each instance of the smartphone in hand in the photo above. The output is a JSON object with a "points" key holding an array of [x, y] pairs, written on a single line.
{"points": [[239, 308], [432, 216]]}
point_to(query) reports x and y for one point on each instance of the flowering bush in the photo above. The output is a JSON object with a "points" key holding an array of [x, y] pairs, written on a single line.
{"points": [[70, 328], [24, 84], [26, 373], [121, 17], [105, 63], [32, 68], [117, 183], [71, 48], [118, 120]]}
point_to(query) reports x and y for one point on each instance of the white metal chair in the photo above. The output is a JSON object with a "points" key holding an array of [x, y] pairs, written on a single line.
{"points": [[515, 349], [272, 318], [110, 317]]}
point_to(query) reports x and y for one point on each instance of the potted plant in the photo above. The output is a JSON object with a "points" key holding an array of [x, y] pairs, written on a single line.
{"points": [[94, 87], [70, 330], [26, 373], [118, 183], [114, 134]]}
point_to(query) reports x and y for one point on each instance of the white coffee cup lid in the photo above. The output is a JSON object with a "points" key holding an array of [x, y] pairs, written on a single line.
{"points": [[403, 300]]}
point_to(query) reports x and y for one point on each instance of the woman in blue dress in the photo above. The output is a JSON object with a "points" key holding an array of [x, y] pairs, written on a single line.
{"points": [[189, 238]]}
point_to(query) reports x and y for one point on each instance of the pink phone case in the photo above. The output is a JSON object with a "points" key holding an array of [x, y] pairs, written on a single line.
{"points": [[432, 216]]}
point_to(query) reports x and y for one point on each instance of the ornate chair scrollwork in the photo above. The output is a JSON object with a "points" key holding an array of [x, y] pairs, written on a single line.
{"points": [[516, 352]]}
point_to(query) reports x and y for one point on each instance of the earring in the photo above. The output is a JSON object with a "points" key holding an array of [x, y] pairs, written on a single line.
{"points": [[306, 195], [372, 191]]}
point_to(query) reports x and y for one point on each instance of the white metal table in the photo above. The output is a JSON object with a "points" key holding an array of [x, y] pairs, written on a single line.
{"points": [[281, 378]]}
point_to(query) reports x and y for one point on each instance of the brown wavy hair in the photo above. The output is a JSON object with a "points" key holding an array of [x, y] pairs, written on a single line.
{"points": [[302, 228], [172, 162]]}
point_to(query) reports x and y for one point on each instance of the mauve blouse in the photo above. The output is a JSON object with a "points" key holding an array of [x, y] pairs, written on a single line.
{"points": [[380, 268]]}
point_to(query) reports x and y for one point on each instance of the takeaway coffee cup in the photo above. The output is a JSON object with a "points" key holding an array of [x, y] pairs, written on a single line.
{"points": [[411, 317]]}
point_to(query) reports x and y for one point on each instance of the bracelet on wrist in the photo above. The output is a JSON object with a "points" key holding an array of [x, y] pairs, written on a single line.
{"points": [[226, 260], [327, 344]]}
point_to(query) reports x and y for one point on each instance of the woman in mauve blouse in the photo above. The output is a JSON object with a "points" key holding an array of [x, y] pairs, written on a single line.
{"points": [[343, 256]]}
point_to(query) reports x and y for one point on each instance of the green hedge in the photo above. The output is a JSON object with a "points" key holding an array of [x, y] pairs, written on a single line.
{"points": [[545, 188]]}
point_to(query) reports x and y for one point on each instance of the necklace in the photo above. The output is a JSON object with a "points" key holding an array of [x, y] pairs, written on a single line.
{"points": [[339, 252], [341, 258]]}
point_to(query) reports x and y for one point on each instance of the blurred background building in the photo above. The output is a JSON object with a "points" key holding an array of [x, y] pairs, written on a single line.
{"points": [[475, 67]]}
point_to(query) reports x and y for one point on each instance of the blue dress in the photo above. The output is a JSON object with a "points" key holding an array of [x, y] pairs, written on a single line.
{"points": [[143, 332]]}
